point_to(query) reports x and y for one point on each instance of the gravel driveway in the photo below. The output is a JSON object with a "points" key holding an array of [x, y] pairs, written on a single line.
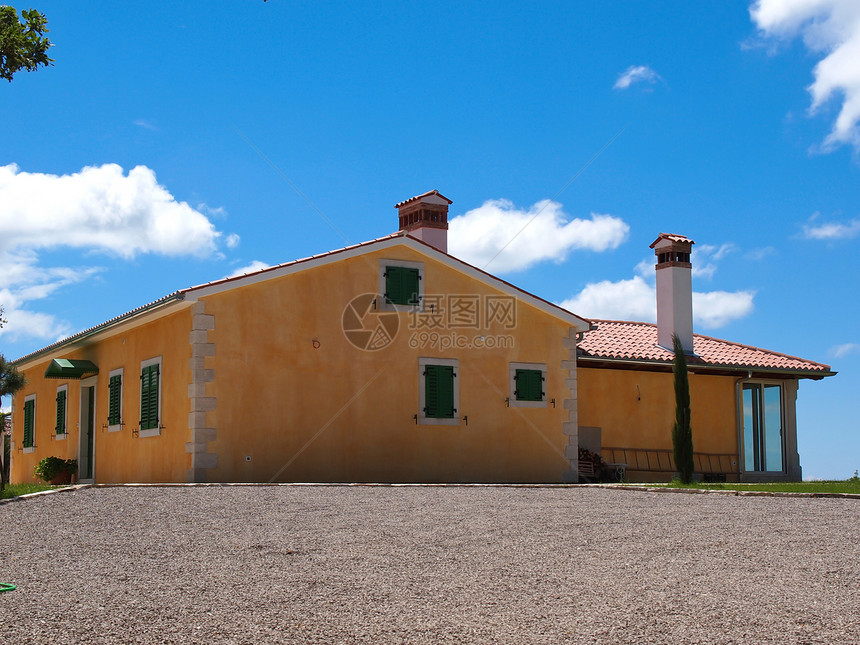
{"points": [[326, 564]]}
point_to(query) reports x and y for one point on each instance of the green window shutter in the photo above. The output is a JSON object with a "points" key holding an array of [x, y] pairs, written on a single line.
{"points": [[61, 413], [149, 397], [439, 391], [401, 285], [29, 414], [529, 385], [114, 398]]}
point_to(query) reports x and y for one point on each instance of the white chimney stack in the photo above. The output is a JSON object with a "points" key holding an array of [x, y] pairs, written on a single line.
{"points": [[426, 217], [674, 290]]}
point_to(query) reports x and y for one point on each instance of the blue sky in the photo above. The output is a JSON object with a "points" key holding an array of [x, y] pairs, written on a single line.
{"points": [[176, 143]]}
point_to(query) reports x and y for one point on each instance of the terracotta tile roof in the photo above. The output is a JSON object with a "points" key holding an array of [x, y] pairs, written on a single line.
{"points": [[427, 194], [674, 237], [615, 340]]}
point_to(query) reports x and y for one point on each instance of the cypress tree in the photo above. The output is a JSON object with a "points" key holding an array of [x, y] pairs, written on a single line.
{"points": [[682, 433]]}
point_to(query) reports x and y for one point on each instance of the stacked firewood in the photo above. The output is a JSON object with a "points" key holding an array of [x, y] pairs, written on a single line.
{"points": [[595, 459]]}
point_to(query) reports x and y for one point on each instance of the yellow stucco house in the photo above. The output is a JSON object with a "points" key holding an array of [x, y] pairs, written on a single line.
{"points": [[393, 361]]}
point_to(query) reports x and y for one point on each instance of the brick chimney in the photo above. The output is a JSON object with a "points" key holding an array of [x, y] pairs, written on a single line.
{"points": [[426, 217], [674, 290]]}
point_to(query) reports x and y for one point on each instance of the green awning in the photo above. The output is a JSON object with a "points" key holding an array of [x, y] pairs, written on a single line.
{"points": [[70, 368]]}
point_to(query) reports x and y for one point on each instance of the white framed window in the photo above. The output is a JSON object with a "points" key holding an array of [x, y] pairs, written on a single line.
{"points": [[61, 429], [150, 398], [528, 385], [115, 396], [29, 439], [401, 285], [762, 426], [438, 391]]}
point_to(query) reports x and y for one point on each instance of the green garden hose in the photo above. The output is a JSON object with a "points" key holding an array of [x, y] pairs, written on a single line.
{"points": [[5, 586]]}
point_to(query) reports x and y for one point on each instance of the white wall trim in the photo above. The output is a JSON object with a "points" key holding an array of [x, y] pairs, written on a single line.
{"points": [[92, 382], [392, 242], [201, 429], [571, 426]]}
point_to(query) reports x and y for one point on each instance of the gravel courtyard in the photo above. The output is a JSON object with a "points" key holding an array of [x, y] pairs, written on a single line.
{"points": [[325, 564]]}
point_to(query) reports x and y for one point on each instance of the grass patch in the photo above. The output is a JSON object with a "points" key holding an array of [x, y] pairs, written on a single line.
{"points": [[851, 485], [16, 490]]}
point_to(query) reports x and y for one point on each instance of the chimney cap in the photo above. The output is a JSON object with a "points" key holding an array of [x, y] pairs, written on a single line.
{"points": [[429, 193], [672, 237]]}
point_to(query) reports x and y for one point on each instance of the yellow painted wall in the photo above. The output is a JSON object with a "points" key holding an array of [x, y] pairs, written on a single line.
{"points": [[636, 409], [119, 456], [337, 413], [296, 401]]}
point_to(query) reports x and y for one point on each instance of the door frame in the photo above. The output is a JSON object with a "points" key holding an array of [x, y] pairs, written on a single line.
{"points": [[86, 384]]}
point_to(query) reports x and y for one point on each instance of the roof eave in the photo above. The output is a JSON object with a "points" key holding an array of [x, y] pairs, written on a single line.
{"points": [[86, 334], [702, 368]]}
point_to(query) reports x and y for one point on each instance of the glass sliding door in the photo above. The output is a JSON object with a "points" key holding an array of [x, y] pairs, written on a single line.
{"points": [[762, 427]]}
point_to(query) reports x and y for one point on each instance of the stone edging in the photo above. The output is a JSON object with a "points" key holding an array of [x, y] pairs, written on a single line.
{"points": [[645, 488], [41, 493]]}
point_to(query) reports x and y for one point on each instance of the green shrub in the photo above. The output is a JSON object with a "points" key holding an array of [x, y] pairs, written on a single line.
{"points": [[50, 467]]}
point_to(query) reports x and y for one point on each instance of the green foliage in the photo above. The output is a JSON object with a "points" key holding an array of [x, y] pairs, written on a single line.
{"points": [[682, 433], [50, 467], [16, 490], [850, 485], [22, 44], [11, 380], [855, 478]]}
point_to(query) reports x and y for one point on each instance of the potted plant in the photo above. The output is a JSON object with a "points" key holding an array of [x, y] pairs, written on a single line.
{"points": [[55, 470]]}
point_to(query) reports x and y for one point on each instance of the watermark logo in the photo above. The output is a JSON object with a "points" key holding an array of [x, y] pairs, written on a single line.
{"points": [[439, 321], [442, 341], [366, 327], [464, 311]]}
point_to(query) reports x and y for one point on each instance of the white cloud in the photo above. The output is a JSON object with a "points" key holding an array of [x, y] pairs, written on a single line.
{"points": [[714, 309], [636, 299], [143, 123], [645, 268], [757, 255], [841, 351], [636, 74], [255, 266], [232, 241], [513, 239], [832, 230], [704, 258], [632, 299], [100, 208], [830, 28], [23, 282]]}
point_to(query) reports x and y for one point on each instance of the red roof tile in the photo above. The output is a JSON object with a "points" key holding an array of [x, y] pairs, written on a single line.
{"points": [[672, 236], [427, 194], [615, 340]]}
